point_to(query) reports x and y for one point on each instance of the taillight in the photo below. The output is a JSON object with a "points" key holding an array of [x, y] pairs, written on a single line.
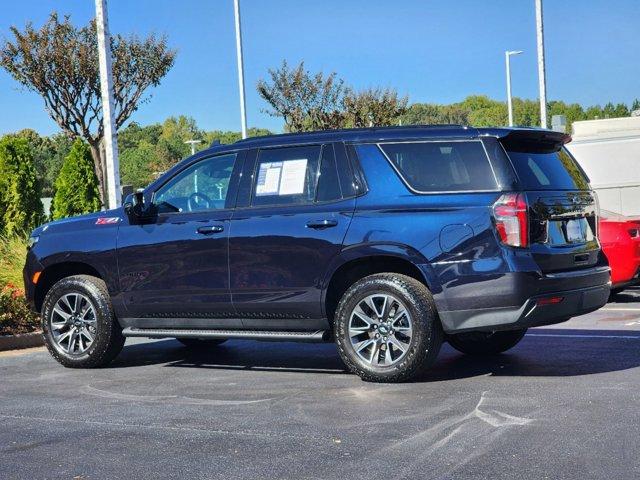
{"points": [[510, 212]]}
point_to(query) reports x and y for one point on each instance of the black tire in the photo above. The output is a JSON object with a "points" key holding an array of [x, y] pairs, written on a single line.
{"points": [[426, 335], [201, 343], [108, 340], [485, 343]]}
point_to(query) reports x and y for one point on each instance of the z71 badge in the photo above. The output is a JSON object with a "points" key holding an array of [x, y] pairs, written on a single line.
{"points": [[107, 220]]}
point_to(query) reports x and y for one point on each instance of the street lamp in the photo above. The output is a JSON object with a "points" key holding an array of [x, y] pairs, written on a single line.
{"points": [[193, 144], [507, 56]]}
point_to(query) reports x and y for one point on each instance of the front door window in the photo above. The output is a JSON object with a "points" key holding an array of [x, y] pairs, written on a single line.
{"points": [[203, 186]]}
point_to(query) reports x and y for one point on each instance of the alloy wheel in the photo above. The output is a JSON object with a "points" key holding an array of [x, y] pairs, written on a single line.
{"points": [[380, 329], [73, 324]]}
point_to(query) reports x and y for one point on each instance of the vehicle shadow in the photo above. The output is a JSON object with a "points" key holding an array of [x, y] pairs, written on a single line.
{"points": [[548, 352], [628, 295]]}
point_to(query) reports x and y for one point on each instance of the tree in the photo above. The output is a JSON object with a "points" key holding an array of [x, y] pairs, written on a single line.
{"points": [[137, 164], [48, 153], [304, 100], [77, 189], [231, 137], [372, 107], [312, 101], [485, 112], [60, 62], [20, 206]]}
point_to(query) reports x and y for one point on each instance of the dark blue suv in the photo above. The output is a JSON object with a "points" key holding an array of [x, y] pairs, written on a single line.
{"points": [[387, 240]]}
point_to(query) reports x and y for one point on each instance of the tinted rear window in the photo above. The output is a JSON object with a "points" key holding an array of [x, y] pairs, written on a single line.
{"points": [[548, 171], [442, 166]]}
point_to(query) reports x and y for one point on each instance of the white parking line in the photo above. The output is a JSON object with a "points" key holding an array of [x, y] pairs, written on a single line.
{"points": [[565, 335], [620, 309]]}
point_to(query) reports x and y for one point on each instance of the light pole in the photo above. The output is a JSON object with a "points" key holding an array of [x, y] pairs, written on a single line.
{"points": [[114, 196], [243, 113], [193, 144], [507, 57], [542, 76]]}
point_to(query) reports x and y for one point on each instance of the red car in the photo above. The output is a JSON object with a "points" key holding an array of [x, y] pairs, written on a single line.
{"points": [[620, 239]]}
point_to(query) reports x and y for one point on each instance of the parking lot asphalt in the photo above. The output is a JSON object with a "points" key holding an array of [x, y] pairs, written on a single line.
{"points": [[563, 404]]}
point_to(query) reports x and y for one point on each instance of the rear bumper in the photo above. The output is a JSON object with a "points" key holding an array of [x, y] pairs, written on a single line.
{"points": [[592, 292]]}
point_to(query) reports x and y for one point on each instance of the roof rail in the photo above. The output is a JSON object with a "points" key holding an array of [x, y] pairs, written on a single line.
{"points": [[344, 130]]}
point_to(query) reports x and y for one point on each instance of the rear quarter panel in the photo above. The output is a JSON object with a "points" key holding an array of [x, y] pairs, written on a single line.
{"points": [[450, 235]]}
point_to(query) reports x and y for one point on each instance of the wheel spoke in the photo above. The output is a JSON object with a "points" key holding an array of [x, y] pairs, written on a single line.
{"points": [[64, 302], [61, 312], [72, 342], [375, 353], [85, 331], [370, 301], [359, 312], [64, 336], [398, 344], [388, 359], [363, 344], [58, 325]]}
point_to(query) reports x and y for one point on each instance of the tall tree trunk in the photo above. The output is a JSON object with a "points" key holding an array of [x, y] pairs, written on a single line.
{"points": [[98, 166]]}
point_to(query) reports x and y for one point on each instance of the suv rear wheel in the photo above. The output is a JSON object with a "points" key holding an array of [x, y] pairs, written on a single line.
{"points": [[78, 323], [485, 343], [387, 328]]}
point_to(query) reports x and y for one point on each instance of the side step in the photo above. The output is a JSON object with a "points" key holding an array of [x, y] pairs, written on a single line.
{"points": [[277, 336]]}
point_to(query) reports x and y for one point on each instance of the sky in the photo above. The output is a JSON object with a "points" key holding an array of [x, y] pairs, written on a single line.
{"points": [[434, 51]]}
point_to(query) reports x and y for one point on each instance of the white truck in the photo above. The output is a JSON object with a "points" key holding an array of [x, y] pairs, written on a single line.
{"points": [[609, 152]]}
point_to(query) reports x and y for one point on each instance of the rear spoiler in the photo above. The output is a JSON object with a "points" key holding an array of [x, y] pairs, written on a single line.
{"points": [[542, 141]]}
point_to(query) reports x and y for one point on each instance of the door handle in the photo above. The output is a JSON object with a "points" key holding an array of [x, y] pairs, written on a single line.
{"points": [[209, 229], [320, 224]]}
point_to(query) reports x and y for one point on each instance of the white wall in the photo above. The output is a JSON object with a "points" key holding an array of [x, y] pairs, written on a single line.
{"points": [[609, 152]]}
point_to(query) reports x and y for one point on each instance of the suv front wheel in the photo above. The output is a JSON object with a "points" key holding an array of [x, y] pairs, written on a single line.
{"points": [[387, 328], [78, 323]]}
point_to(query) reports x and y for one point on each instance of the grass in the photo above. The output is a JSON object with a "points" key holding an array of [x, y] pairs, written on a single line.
{"points": [[13, 251]]}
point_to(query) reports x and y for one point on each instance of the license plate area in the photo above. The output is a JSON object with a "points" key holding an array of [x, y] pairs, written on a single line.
{"points": [[569, 232]]}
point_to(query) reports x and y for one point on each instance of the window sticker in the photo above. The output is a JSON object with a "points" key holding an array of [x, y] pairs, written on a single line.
{"points": [[281, 178], [268, 179], [293, 175]]}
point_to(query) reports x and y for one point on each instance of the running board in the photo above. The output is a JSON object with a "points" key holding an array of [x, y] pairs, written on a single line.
{"points": [[277, 336]]}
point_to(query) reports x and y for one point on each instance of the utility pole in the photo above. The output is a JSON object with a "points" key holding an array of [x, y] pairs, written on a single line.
{"points": [[541, 67], [243, 113], [108, 116], [507, 60]]}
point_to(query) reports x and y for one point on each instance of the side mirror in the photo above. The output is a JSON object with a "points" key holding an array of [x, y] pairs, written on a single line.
{"points": [[134, 206]]}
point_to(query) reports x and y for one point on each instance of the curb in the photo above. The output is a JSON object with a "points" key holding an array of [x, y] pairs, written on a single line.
{"points": [[23, 340]]}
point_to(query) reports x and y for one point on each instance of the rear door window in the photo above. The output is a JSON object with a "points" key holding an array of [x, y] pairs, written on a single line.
{"points": [[442, 166], [286, 176], [548, 170]]}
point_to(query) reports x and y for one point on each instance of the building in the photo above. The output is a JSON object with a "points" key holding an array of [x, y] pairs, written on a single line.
{"points": [[609, 152]]}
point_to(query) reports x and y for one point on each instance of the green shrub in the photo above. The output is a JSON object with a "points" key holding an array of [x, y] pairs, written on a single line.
{"points": [[13, 251], [77, 185], [20, 206], [15, 315]]}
